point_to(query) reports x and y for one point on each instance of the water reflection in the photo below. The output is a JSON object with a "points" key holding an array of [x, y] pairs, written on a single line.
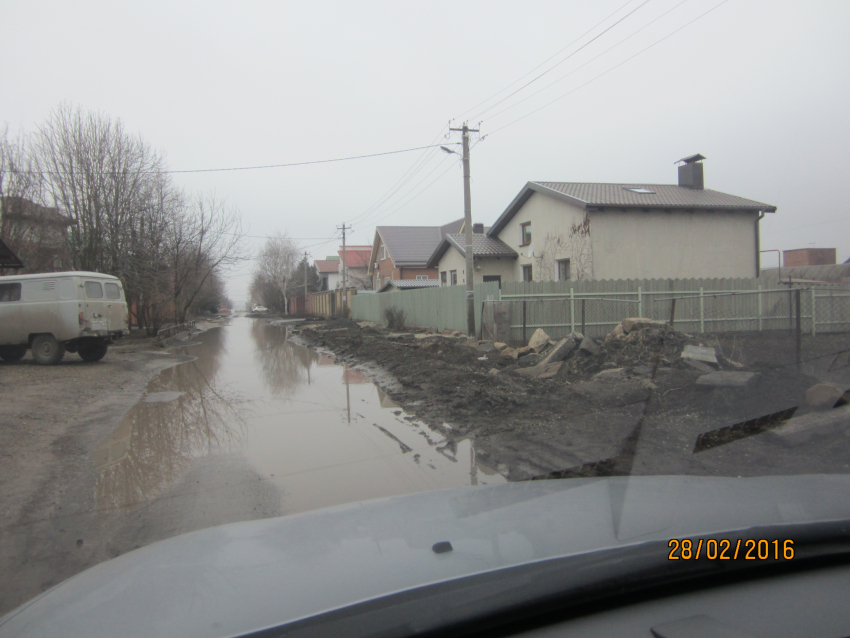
{"points": [[157, 440], [284, 367], [318, 430]]}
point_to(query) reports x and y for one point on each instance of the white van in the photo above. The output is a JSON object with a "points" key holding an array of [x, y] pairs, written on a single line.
{"points": [[50, 313]]}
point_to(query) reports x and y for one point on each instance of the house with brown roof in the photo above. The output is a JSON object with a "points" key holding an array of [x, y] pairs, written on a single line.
{"points": [[356, 260], [493, 260], [402, 252], [329, 274], [578, 231]]}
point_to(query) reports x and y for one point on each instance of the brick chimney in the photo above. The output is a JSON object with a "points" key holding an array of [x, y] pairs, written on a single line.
{"points": [[690, 172]]}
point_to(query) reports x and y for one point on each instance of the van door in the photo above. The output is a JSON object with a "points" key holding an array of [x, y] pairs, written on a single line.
{"points": [[96, 309], [12, 328], [116, 307]]}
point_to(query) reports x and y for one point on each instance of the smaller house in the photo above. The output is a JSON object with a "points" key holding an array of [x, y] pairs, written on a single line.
{"points": [[329, 274], [356, 260], [402, 252], [36, 233], [493, 259], [8, 259], [394, 285]]}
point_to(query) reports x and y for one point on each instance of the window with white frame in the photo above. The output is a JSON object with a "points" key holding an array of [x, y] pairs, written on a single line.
{"points": [[383, 252], [421, 277], [443, 278], [563, 270], [453, 274]]}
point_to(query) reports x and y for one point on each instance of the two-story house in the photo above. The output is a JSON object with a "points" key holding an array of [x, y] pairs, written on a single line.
{"points": [[579, 231], [402, 252]]}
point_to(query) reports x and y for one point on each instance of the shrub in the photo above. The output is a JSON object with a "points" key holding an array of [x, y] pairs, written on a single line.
{"points": [[395, 317]]}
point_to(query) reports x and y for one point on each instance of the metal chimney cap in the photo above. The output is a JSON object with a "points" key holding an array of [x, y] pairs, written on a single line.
{"points": [[691, 159]]}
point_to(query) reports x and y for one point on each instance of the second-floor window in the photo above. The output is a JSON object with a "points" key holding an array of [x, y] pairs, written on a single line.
{"points": [[383, 252], [525, 234], [420, 277]]}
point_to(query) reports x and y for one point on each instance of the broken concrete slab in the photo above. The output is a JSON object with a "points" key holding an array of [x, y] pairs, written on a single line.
{"points": [[508, 354], [700, 353], [541, 371], [538, 340], [524, 350], [618, 332], [613, 373], [824, 395], [803, 428], [724, 379], [529, 360], [486, 346], [562, 350], [500, 346], [641, 370], [700, 366], [588, 346], [637, 323]]}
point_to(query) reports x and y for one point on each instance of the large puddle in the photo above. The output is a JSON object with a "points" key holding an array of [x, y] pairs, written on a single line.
{"points": [[320, 432]]}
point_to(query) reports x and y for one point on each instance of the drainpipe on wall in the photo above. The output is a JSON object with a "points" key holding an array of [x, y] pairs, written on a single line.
{"points": [[758, 244]]}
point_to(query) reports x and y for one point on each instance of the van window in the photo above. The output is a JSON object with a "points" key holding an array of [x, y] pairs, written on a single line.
{"points": [[10, 292], [94, 290], [112, 291]]}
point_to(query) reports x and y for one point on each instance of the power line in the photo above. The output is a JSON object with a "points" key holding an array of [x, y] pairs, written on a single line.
{"points": [[589, 42], [244, 168], [557, 53], [565, 76], [593, 79]]}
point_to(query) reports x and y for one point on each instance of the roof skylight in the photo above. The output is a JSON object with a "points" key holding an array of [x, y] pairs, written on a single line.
{"points": [[639, 189]]}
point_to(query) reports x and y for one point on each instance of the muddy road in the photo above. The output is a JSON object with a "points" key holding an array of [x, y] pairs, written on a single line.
{"points": [[241, 423]]}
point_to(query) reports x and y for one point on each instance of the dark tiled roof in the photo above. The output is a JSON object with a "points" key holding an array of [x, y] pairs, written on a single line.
{"points": [[482, 246], [452, 228], [411, 284], [662, 195], [670, 196], [410, 245], [8, 259]]}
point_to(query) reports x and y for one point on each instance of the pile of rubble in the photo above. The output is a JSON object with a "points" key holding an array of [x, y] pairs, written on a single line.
{"points": [[635, 348]]}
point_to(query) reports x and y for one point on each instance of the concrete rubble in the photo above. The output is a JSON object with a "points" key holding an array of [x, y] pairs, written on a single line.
{"points": [[827, 395], [700, 353], [539, 340]]}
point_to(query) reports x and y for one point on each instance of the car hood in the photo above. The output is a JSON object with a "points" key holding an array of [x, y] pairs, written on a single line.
{"points": [[233, 579]]}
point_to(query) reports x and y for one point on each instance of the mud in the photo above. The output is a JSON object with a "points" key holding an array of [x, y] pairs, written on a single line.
{"points": [[654, 421]]}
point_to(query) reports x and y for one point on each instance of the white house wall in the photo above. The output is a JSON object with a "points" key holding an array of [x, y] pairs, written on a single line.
{"points": [[551, 220], [679, 245], [452, 260], [503, 267]]}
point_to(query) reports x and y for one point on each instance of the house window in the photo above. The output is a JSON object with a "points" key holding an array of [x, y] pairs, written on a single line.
{"points": [[383, 252], [563, 270], [443, 278], [526, 273], [525, 233], [453, 275], [420, 277]]}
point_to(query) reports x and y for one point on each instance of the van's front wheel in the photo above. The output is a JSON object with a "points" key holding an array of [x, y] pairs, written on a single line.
{"points": [[94, 352], [12, 354], [46, 350]]}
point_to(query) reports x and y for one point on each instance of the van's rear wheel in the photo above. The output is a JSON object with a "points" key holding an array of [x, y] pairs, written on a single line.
{"points": [[12, 354], [46, 350], [94, 352]]}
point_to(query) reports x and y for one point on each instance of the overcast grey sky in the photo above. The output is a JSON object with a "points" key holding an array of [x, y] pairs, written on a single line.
{"points": [[760, 87]]}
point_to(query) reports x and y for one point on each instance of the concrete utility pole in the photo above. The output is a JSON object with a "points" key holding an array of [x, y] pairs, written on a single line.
{"points": [[305, 282], [344, 270], [467, 217]]}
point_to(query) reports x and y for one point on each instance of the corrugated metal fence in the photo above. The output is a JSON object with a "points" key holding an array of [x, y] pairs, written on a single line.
{"points": [[595, 307]]}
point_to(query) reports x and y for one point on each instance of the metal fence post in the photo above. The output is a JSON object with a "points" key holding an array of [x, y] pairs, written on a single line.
{"points": [[640, 302], [814, 305], [701, 309], [523, 322], [760, 302], [672, 312], [572, 310], [582, 316], [799, 344]]}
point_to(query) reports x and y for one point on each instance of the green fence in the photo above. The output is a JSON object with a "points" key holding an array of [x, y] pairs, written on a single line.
{"points": [[440, 308]]}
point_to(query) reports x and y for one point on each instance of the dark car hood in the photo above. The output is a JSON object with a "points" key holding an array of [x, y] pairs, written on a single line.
{"points": [[232, 579]]}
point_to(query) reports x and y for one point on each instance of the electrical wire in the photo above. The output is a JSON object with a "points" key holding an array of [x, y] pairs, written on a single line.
{"points": [[616, 66], [563, 77], [586, 44], [246, 168], [554, 55]]}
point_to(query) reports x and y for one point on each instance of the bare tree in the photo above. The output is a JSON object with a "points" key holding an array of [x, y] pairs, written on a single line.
{"points": [[206, 240], [273, 273]]}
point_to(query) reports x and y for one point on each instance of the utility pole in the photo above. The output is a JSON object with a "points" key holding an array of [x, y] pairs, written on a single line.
{"points": [[344, 270], [467, 217], [305, 282]]}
